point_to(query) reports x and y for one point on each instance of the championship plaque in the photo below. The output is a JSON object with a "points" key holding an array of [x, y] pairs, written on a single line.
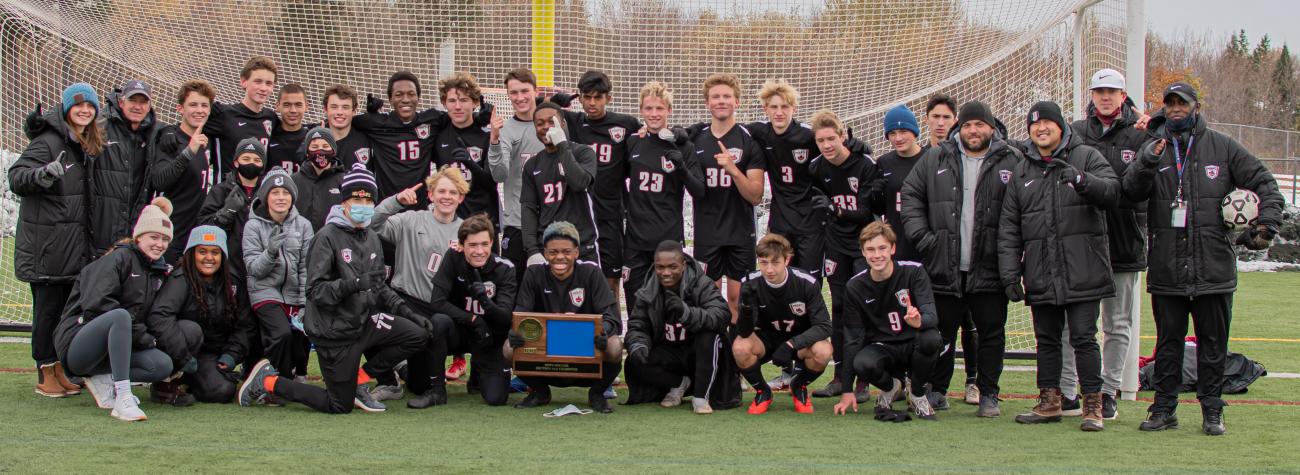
{"points": [[558, 345]]}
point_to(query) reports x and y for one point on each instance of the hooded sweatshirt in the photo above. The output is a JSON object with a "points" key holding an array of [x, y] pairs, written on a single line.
{"points": [[275, 253], [336, 310]]}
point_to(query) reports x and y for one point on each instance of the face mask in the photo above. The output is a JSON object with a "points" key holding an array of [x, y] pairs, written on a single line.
{"points": [[249, 171], [321, 158], [361, 214], [568, 410]]}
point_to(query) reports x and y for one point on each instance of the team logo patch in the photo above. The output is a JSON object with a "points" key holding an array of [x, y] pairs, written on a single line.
{"points": [[1211, 171], [904, 297], [279, 181], [617, 133], [267, 124], [422, 131], [853, 184], [475, 154], [453, 244], [1005, 176], [800, 155], [1127, 155], [829, 266], [491, 289], [798, 308], [577, 296], [363, 155], [627, 272], [347, 255], [736, 154], [667, 165]]}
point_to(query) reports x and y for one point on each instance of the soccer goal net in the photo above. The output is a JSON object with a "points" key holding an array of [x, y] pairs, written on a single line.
{"points": [[856, 57]]}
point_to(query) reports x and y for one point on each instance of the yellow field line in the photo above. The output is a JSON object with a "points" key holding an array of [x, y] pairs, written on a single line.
{"points": [[1150, 337]]}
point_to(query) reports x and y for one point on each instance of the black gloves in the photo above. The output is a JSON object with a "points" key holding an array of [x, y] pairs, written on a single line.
{"points": [[783, 356], [1257, 238], [405, 311], [748, 312], [1071, 176], [481, 329], [35, 123], [235, 202], [562, 99], [601, 341], [515, 339], [484, 116], [373, 104], [361, 282], [674, 306], [1150, 155], [1015, 292], [674, 156]]}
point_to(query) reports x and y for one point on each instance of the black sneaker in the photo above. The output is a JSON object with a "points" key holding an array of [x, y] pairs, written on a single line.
{"points": [[364, 401], [1157, 421], [534, 399], [938, 400], [1212, 421], [600, 404], [1109, 410], [435, 396], [988, 406], [253, 390], [1071, 407]]}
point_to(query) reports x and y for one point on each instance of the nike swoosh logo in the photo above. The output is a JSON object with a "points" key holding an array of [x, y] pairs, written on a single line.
{"points": [[769, 148], [546, 290], [1030, 182], [827, 180], [890, 173], [460, 279], [538, 172], [1163, 169], [241, 124], [762, 306], [273, 145], [870, 300], [637, 155], [940, 172], [68, 166], [445, 145], [111, 142], [135, 275]]}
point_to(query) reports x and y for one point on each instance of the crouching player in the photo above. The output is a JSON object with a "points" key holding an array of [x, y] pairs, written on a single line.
{"points": [[890, 327], [782, 320]]}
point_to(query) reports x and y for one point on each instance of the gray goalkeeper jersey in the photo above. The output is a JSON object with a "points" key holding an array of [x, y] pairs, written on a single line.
{"points": [[517, 144]]}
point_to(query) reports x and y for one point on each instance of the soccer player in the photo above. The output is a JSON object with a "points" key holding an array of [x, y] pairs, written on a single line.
{"points": [[844, 191], [402, 140], [460, 95], [951, 203], [319, 176], [422, 239], [782, 320], [351, 147], [556, 186], [228, 203], [350, 311], [231, 123], [940, 115], [733, 165], [891, 325], [512, 142], [477, 288], [1052, 229], [282, 150], [1192, 265], [181, 168], [674, 334], [563, 284], [903, 133]]}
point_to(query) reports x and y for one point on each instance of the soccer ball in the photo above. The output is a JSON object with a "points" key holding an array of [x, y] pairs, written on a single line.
{"points": [[1240, 208]]}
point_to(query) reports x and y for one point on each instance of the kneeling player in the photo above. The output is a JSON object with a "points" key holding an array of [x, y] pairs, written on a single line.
{"points": [[674, 333], [345, 292], [563, 284], [890, 325], [782, 317], [476, 288]]}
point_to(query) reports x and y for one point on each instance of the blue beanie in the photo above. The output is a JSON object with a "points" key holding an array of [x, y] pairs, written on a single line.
{"points": [[900, 117], [78, 93], [208, 235]]}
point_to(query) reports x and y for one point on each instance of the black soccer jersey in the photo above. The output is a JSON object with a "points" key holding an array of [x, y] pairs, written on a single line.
{"points": [[483, 196], [793, 311], [183, 178], [282, 151], [451, 286], [549, 195], [654, 199], [353, 148], [230, 123], [585, 292], [788, 156], [848, 185], [894, 169], [608, 137], [401, 153], [722, 216], [879, 307]]}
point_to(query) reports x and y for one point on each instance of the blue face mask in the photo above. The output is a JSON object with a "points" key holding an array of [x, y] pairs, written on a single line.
{"points": [[361, 214]]}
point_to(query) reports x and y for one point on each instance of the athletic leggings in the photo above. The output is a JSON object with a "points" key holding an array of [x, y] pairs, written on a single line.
{"points": [[108, 337]]}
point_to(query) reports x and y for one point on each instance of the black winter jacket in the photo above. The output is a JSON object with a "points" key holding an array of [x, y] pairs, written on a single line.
{"points": [[336, 310], [1126, 224], [54, 236], [221, 334], [317, 193], [125, 279], [121, 178], [213, 213], [706, 311]]}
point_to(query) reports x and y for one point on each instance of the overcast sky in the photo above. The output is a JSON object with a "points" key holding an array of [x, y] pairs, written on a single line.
{"points": [[1277, 18]]}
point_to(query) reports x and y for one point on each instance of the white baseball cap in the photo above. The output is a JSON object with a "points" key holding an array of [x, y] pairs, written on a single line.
{"points": [[1107, 78]]}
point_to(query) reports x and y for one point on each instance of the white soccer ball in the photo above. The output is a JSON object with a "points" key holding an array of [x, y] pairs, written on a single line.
{"points": [[1240, 208]]}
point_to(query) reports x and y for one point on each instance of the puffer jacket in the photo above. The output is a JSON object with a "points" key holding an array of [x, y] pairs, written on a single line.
{"points": [[54, 238], [706, 311], [339, 253], [124, 278], [121, 178], [1126, 224], [279, 276], [1053, 236], [1198, 258], [222, 335], [932, 200]]}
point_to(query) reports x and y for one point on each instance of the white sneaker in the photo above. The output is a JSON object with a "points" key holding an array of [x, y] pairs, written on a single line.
{"points": [[921, 406], [885, 400], [101, 387], [701, 406], [387, 392], [675, 395], [127, 408]]}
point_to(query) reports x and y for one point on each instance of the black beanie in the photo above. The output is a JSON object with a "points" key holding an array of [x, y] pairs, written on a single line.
{"points": [[358, 182], [976, 110], [1046, 110]]}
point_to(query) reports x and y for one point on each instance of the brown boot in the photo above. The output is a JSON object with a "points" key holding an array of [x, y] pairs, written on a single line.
{"points": [[1092, 418], [69, 387], [1047, 410], [170, 392], [47, 384]]}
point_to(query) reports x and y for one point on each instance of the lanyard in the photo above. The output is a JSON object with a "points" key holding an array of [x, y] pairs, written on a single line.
{"points": [[1178, 165]]}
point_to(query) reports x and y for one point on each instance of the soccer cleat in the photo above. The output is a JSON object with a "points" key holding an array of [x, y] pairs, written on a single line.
{"points": [[972, 394], [675, 395], [253, 389], [831, 389], [921, 407], [101, 387], [127, 408], [435, 396], [781, 381], [1212, 421], [1157, 421], [1072, 407], [1109, 409], [1047, 410], [885, 400], [762, 399], [387, 392], [701, 406], [1092, 419], [534, 399], [457, 368], [938, 400], [365, 402], [802, 404], [988, 406]]}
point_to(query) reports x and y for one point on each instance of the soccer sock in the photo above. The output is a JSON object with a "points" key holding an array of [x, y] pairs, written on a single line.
{"points": [[269, 383], [362, 377], [122, 387], [754, 375], [804, 376], [745, 326]]}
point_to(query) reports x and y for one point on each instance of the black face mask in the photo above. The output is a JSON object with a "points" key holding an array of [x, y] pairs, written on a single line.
{"points": [[321, 158], [249, 171], [1184, 124]]}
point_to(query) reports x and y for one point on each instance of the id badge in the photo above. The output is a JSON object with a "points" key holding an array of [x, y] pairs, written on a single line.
{"points": [[1179, 216]]}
